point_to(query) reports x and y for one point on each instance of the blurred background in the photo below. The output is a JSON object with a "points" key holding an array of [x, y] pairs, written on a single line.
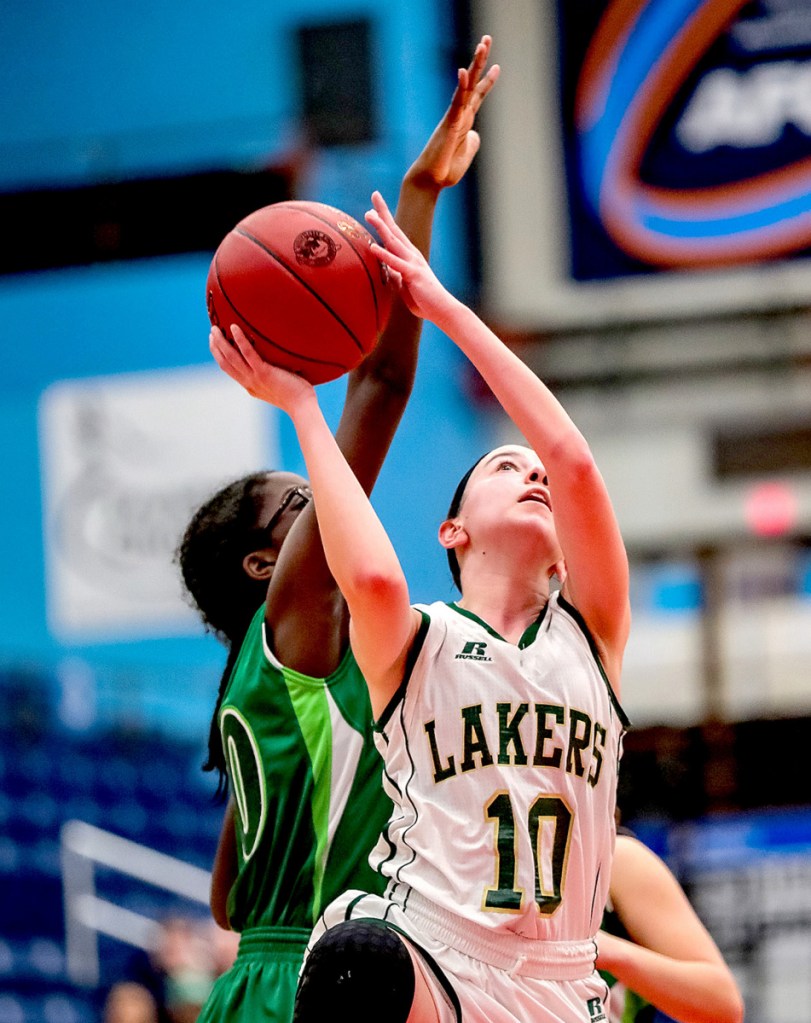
{"points": [[637, 227]]}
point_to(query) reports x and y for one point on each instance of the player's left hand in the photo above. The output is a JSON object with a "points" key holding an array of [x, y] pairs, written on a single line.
{"points": [[450, 150]]}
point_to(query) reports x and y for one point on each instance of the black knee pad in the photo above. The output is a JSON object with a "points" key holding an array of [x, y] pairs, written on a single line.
{"points": [[360, 971]]}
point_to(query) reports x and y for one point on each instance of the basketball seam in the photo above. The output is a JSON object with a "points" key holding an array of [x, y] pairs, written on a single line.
{"points": [[273, 255], [351, 243], [288, 351]]}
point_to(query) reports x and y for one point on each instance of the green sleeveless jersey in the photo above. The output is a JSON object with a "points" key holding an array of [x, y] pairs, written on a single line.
{"points": [[306, 781]]}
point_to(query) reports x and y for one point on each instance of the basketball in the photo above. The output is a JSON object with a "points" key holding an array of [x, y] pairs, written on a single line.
{"points": [[301, 281]]}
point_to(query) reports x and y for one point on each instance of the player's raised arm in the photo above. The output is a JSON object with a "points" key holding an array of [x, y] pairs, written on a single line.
{"points": [[378, 389], [358, 550], [594, 553]]}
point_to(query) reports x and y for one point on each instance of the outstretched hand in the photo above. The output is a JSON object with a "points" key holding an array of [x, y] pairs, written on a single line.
{"points": [[259, 378], [453, 144], [419, 287]]}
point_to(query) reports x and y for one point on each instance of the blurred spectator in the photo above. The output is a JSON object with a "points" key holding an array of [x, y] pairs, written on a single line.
{"points": [[186, 992], [177, 974], [222, 947], [129, 1002]]}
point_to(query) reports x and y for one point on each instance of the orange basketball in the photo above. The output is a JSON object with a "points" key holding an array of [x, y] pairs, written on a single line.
{"points": [[300, 280]]}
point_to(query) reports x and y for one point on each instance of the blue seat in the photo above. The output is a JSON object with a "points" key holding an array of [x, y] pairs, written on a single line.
{"points": [[13, 1009], [118, 778], [66, 1005], [140, 787], [40, 809], [10, 854], [45, 959], [76, 771], [8, 964], [63, 1009], [130, 819]]}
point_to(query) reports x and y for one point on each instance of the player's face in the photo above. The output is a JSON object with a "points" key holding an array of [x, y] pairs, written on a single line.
{"points": [[509, 488], [286, 496]]}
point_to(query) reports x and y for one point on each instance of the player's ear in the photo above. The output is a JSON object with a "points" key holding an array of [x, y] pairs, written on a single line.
{"points": [[260, 564], [452, 534]]}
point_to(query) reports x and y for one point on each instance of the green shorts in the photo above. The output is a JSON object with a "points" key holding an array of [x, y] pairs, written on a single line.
{"points": [[261, 985]]}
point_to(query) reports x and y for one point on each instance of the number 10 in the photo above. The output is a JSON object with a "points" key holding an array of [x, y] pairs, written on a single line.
{"points": [[550, 810]]}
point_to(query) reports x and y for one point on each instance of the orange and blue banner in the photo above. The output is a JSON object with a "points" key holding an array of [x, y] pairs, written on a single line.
{"points": [[687, 132]]}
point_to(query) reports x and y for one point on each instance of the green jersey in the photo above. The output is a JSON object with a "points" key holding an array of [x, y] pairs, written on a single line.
{"points": [[306, 781]]}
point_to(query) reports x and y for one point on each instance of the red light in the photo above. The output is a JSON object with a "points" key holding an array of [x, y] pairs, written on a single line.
{"points": [[771, 509]]}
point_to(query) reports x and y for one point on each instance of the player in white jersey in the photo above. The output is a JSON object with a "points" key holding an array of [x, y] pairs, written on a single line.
{"points": [[497, 717], [519, 744]]}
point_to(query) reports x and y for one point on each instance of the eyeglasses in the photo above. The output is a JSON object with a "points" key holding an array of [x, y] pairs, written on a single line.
{"points": [[303, 494]]}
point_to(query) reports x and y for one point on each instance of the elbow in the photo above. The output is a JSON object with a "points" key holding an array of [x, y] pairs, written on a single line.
{"points": [[572, 458], [374, 585], [218, 904], [728, 1004], [220, 915], [580, 463], [735, 1008]]}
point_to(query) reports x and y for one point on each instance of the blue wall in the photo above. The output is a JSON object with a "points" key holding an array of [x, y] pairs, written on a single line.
{"points": [[107, 91]]}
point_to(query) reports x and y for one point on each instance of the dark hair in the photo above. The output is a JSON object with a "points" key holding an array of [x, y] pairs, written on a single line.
{"points": [[221, 532], [453, 510]]}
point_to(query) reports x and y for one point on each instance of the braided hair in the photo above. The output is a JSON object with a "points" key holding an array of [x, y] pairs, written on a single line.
{"points": [[220, 534]]}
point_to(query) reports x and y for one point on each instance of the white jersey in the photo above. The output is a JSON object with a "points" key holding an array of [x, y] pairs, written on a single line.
{"points": [[502, 762]]}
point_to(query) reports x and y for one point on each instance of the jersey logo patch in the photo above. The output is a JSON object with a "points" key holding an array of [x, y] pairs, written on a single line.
{"points": [[595, 1008], [473, 651]]}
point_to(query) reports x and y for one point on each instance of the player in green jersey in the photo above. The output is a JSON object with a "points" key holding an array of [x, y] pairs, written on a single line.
{"points": [[292, 726]]}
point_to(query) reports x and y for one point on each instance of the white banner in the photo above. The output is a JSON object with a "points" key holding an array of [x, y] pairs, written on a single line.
{"points": [[125, 461]]}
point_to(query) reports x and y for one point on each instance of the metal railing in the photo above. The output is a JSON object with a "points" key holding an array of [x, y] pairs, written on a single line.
{"points": [[85, 848]]}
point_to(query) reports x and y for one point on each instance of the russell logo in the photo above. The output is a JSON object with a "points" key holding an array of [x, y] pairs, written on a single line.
{"points": [[473, 651], [595, 1008]]}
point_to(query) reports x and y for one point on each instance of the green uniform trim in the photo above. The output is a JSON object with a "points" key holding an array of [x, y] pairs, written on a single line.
{"points": [[259, 942], [312, 711]]}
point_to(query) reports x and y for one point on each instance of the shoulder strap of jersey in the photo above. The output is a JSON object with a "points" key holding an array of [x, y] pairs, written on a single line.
{"points": [[413, 654]]}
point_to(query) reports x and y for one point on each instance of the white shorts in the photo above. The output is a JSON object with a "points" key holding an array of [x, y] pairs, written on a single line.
{"points": [[479, 979]]}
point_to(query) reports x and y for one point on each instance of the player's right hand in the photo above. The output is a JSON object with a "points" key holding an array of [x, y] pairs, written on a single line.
{"points": [[240, 360]]}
